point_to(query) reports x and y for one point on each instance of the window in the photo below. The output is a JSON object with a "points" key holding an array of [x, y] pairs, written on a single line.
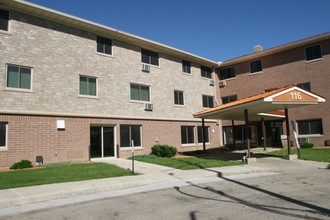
{"points": [[3, 134], [187, 135], [255, 66], [206, 72], [186, 66], [239, 134], [18, 77], [104, 45], [208, 101], [140, 92], [87, 85], [4, 20], [129, 133], [310, 127], [228, 99], [227, 73], [305, 85], [149, 57], [313, 52], [206, 134], [178, 97]]}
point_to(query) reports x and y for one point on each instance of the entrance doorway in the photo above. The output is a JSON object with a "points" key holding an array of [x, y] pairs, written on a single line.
{"points": [[102, 141], [274, 130]]}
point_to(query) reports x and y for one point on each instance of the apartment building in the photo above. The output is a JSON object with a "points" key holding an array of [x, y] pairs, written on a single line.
{"points": [[72, 90], [305, 63]]}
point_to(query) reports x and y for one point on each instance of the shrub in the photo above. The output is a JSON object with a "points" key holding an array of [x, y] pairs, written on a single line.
{"points": [[22, 164], [307, 145], [163, 150]]}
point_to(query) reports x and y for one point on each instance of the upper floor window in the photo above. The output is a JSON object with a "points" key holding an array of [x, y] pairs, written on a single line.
{"points": [[206, 72], [310, 127], [227, 73], [305, 85], [104, 45], [228, 99], [313, 52], [208, 101], [255, 66], [3, 134], [19, 77], [149, 57], [186, 66], [140, 92], [87, 85], [178, 97], [4, 20]]}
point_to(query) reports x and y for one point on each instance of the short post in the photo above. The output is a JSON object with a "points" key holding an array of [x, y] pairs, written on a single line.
{"points": [[133, 156]]}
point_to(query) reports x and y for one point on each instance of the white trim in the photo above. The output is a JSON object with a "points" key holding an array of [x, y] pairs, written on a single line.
{"points": [[270, 98], [19, 89], [106, 116], [5, 148], [88, 96], [271, 115]]}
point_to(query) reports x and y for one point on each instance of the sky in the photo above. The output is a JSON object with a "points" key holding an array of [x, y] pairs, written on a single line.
{"points": [[214, 29]]}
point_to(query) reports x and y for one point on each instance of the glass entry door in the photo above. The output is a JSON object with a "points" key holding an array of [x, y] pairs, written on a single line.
{"points": [[102, 141]]}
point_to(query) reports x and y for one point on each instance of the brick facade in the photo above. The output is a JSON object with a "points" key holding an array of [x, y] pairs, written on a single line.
{"points": [[281, 69], [31, 136], [58, 54]]}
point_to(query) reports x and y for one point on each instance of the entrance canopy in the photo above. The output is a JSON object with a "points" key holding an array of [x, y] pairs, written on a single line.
{"points": [[267, 105]]}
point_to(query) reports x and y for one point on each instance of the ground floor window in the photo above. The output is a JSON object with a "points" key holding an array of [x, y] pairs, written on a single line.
{"points": [[206, 134], [310, 126], [3, 134], [129, 133], [187, 134], [238, 134]]}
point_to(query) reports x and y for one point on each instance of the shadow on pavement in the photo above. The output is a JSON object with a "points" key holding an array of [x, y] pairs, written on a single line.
{"points": [[313, 209]]}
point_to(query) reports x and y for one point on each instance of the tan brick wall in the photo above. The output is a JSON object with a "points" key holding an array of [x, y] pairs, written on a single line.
{"points": [[283, 69], [59, 54]]}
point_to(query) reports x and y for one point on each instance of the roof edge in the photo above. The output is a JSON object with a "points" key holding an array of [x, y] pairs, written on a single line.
{"points": [[80, 23], [276, 49]]}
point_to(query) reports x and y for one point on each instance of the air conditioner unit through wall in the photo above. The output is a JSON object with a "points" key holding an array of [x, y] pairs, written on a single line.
{"points": [[211, 83], [145, 68], [222, 83], [148, 106]]}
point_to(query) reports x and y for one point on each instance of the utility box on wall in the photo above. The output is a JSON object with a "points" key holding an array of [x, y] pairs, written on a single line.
{"points": [[60, 124]]}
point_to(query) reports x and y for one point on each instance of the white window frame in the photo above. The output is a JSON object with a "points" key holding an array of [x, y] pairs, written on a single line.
{"points": [[19, 89], [5, 148], [97, 85], [180, 91]]}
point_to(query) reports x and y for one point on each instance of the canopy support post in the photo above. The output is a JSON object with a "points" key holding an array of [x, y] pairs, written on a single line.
{"points": [[233, 130], [247, 131], [203, 135], [287, 129], [263, 132]]}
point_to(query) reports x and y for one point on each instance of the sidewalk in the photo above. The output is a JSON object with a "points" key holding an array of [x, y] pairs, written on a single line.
{"points": [[153, 177]]}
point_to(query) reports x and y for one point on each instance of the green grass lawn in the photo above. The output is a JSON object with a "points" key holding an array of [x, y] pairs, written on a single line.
{"points": [[186, 163], [58, 173], [315, 154]]}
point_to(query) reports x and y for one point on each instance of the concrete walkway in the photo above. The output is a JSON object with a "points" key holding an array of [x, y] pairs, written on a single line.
{"points": [[153, 177]]}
